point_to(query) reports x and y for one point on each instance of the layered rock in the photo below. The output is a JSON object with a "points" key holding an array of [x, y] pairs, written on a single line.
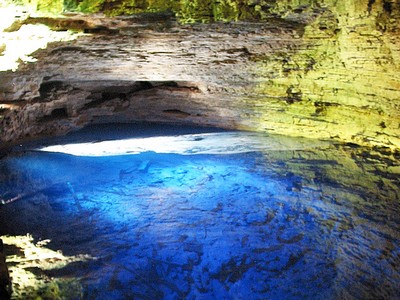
{"points": [[324, 71], [344, 79]]}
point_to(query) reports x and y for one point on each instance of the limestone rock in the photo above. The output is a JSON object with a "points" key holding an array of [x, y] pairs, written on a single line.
{"points": [[324, 71]]}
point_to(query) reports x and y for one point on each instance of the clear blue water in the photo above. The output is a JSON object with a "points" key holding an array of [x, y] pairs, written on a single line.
{"points": [[309, 223]]}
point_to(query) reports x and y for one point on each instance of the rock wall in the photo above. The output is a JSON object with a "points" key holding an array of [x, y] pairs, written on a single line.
{"points": [[5, 281], [343, 81], [326, 70]]}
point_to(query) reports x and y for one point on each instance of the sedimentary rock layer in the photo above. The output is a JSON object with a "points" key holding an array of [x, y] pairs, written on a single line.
{"points": [[323, 71]]}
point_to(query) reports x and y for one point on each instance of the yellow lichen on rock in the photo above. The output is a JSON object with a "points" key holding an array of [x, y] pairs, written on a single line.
{"points": [[26, 269], [343, 79]]}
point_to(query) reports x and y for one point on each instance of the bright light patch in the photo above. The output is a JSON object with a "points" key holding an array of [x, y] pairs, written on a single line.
{"points": [[260, 225], [16, 46], [190, 144], [38, 256]]}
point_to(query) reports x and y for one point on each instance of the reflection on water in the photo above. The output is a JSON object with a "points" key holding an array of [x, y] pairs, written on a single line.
{"points": [[307, 223]]}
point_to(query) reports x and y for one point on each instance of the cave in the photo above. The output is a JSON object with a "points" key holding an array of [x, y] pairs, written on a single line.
{"points": [[201, 149]]}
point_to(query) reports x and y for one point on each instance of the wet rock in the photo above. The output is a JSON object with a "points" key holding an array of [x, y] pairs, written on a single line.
{"points": [[325, 71], [233, 270], [5, 280]]}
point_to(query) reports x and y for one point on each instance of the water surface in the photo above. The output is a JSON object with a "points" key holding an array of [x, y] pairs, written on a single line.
{"points": [[272, 218]]}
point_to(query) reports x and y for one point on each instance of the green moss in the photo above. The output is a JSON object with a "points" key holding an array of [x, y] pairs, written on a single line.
{"points": [[71, 5], [188, 11], [163, 5], [46, 7], [217, 10], [126, 7], [90, 6], [50, 6], [226, 10]]}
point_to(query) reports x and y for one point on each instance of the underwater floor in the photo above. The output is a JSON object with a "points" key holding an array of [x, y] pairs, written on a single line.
{"points": [[185, 214]]}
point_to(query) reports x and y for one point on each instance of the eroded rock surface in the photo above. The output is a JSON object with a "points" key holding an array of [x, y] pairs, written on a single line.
{"points": [[320, 71]]}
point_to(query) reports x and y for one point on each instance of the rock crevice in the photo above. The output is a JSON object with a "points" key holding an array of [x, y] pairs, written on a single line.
{"points": [[329, 72]]}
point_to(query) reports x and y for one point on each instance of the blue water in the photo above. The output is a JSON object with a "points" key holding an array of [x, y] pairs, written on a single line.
{"points": [[253, 225]]}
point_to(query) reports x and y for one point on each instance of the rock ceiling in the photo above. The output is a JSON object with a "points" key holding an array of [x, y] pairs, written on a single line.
{"points": [[329, 72]]}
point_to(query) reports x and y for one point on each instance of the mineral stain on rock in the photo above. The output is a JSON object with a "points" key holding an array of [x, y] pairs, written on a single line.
{"points": [[326, 71]]}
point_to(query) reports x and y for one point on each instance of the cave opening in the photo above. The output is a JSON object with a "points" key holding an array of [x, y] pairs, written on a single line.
{"points": [[215, 149]]}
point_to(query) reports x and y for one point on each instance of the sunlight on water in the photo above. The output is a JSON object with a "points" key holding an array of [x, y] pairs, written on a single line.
{"points": [[306, 222], [187, 144]]}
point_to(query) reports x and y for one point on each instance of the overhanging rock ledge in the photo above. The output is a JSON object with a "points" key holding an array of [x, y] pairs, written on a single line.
{"points": [[330, 72]]}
